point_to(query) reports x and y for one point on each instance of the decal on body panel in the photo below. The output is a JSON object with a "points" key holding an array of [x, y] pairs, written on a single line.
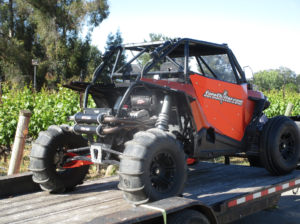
{"points": [[222, 97]]}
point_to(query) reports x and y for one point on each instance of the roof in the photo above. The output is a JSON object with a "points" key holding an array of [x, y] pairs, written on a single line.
{"points": [[196, 47]]}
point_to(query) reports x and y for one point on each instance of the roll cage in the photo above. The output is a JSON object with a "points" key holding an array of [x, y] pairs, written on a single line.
{"points": [[167, 50]]}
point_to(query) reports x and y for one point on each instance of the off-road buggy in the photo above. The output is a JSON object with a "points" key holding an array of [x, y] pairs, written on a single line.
{"points": [[152, 120]]}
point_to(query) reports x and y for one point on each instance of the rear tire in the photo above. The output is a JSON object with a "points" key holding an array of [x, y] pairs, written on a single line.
{"points": [[153, 166], [279, 145], [187, 216], [43, 160]]}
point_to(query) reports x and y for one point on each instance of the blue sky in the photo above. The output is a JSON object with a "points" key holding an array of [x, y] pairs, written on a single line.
{"points": [[263, 34]]}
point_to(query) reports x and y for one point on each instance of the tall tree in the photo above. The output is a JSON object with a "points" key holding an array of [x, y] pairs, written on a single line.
{"points": [[48, 30]]}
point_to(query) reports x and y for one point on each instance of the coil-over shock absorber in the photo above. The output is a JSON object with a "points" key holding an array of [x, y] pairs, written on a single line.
{"points": [[163, 117]]}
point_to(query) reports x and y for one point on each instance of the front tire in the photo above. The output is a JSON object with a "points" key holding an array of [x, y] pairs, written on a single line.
{"points": [[45, 155], [279, 145], [153, 166]]}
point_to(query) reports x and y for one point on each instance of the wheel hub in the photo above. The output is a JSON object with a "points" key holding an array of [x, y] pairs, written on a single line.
{"points": [[286, 146], [162, 171], [157, 171], [283, 145]]}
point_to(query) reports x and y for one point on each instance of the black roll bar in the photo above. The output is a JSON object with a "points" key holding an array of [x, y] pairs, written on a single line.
{"points": [[86, 94], [165, 48], [149, 67], [238, 80], [128, 63], [117, 60], [175, 63], [206, 65], [106, 57], [238, 67], [199, 63]]}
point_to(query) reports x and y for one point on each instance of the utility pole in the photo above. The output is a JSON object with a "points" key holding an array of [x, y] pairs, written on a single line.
{"points": [[11, 15], [284, 90], [35, 62], [80, 93]]}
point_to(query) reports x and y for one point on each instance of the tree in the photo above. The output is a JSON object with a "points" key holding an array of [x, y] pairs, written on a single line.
{"points": [[47, 30], [274, 78], [287, 74]]}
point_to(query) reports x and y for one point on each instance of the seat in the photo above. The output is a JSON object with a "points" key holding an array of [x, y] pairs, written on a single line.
{"points": [[131, 71], [171, 72], [128, 75]]}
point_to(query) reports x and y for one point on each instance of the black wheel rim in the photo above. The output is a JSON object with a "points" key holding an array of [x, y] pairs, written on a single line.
{"points": [[286, 145], [162, 171]]}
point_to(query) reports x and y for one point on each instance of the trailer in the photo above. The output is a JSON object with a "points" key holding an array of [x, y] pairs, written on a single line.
{"points": [[222, 193]]}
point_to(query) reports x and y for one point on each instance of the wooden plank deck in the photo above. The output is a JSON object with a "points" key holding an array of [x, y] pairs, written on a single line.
{"points": [[211, 183]]}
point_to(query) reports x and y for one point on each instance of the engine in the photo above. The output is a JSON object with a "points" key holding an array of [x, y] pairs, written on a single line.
{"points": [[143, 100]]}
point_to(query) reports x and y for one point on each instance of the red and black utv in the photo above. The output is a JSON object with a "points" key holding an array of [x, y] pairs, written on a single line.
{"points": [[154, 118]]}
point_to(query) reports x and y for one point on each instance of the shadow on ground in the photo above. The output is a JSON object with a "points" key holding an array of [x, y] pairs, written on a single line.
{"points": [[287, 213]]}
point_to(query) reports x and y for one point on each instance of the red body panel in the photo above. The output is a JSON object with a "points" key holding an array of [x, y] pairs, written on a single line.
{"points": [[224, 104], [221, 105]]}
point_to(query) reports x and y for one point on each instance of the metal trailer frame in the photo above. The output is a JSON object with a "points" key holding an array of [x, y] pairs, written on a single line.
{"points": [[229, 211], [224, 211]]}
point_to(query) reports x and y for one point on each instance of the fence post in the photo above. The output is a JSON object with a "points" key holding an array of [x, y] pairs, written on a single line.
{"points": [[289, 109], [109, 170], [19, 143]]}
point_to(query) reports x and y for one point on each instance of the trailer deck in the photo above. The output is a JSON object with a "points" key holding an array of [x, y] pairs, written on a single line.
{"points": [[226, 189]]}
